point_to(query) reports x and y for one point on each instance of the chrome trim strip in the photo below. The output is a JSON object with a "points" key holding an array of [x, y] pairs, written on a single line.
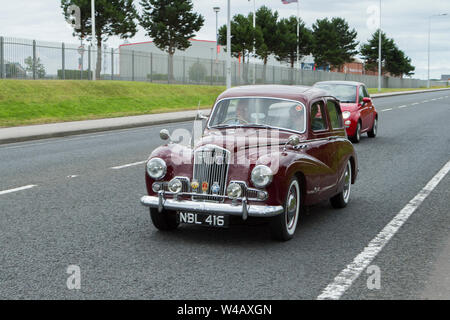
{"points": [[213, 208]]}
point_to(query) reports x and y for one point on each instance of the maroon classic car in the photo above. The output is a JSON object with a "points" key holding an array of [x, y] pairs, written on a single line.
{"points": [[266, 152], [357, 108]]}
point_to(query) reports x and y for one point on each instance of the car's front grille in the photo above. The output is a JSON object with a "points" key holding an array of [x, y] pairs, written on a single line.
{"points": [[210, 168]]}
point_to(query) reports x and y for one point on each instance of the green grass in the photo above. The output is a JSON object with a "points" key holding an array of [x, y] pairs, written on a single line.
{"points": [[25, 102], [375, 90]]}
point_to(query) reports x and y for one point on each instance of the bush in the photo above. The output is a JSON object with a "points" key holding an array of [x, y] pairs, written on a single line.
{"points": [[75, 74], [197, 72]]}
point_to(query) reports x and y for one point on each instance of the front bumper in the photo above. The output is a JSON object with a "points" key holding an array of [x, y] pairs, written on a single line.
{"points": [[243, 209]]}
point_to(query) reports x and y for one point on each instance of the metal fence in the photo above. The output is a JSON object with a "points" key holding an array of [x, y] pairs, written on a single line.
{"points": [[30, 59]]}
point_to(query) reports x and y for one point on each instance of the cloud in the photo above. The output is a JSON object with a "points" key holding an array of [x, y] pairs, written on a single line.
{"points": [[405, 21]]}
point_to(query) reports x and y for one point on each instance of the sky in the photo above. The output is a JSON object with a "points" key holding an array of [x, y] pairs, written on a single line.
{"points": [[407, 21]]}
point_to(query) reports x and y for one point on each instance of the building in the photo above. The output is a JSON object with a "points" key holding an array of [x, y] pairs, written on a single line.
{"points": [[445, 77], [354, 67]]}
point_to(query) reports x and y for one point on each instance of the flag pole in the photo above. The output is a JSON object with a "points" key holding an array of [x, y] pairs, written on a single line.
{"points": [[298, 33]]}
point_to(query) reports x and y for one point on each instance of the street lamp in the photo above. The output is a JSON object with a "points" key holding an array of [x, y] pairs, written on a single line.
{"points": [[254, 40], [94, 75], [429, 40], [379, 53], [217, 10], [229, 45]]}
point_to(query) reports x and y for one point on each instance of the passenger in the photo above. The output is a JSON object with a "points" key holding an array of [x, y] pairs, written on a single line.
{"points": [[297, 118]]}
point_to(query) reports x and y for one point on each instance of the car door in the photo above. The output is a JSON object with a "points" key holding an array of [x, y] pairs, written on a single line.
{"points": [[339, 142], [321, 148]]}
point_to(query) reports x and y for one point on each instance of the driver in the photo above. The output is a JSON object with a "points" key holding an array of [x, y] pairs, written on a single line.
{"points": [[297, 117], [242, 110]]}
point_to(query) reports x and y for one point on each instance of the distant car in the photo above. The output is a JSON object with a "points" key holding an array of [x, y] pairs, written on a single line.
{"points": [[266, 152], [358, 111]]}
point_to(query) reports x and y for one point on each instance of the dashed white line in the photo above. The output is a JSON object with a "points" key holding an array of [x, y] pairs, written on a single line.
{"points": [[345, 279], [401, 107], [415, 103], [387, 109], [128, 165], [17, 189]]}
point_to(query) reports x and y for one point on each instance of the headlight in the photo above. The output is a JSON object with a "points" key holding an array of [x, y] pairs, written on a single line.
{"points": [[156, 168], [234, 190], [261, 176], [175, 186], [346, 114]]}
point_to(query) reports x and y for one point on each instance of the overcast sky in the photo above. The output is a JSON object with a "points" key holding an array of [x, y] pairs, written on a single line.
{"points": [[404, 20]]}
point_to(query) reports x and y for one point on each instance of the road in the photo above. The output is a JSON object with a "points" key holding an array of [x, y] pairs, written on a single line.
{"points": [[76, 210]]}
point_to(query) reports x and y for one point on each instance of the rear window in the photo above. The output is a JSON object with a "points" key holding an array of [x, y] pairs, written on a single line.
{"points": [[334, 111]]}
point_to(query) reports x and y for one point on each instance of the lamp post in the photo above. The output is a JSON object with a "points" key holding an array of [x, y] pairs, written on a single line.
{"points": [[379, 53], [229, 45], [217, 10], [254, 40], [94, 75], [429, 43]]}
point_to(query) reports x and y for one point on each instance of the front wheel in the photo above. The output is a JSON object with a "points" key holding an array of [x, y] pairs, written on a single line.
{"points": [[165, 220], [342, 199], [283, 226], [357, 137], [373, 132]]}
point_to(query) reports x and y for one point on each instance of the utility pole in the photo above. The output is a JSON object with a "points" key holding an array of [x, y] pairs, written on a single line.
{"points": [[379, 54], [429, 43]]}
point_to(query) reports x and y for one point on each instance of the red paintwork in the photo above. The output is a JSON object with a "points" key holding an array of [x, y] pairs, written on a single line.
{"points": [[320, 166]]}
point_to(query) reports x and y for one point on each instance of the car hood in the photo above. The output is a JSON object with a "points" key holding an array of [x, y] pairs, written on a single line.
{"points": [[349, 107]]}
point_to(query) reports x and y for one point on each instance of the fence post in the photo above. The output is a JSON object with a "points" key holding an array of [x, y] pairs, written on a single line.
{"points": [[184, 69], [151, 67], [132, 65], [211, 72], [2, 60], [34, 59], [89, 63], [273, 75], [63, 62], [168, 68], [112, 63]]}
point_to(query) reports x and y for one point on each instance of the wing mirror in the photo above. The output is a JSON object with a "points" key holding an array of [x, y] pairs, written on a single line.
{"points": [[293, 140], [201, 116], [164, 134], [366, 100]]}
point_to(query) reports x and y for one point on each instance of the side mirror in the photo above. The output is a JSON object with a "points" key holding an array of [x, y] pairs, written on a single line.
{"points": [[201, 116], [366, 100], [164, 134], [293, 140]]}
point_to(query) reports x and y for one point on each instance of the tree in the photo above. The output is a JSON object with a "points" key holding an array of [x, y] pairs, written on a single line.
{"points": [[286, 50], [171, 24], [39, 67], [267, 22], [393, 60], [112, 18], [334, 43], [243, 38]]}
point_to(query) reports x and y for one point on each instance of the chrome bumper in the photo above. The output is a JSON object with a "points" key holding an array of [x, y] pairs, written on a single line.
{"points": [[244, 209]]}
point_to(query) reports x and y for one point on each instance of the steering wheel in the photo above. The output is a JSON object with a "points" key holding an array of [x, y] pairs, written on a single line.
{"points": [[236, 118]]}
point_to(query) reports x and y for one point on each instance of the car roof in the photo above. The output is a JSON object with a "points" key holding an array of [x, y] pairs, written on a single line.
{"points": [[352, 83], [302, 93]]}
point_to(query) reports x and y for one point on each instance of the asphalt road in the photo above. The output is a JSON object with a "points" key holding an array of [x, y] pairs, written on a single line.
{"points": [[76, 210]]}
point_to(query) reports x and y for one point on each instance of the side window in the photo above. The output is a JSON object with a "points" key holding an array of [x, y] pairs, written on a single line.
{"points": [[361, 94], [366, 94], [334, 111], [318, 116]]}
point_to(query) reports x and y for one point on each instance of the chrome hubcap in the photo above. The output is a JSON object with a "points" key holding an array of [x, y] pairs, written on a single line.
{"points": [[347, 182], [375, 126], [292, 207]]}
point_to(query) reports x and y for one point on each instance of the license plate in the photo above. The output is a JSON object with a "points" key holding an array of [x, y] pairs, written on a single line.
{"points": [[208, 220]]}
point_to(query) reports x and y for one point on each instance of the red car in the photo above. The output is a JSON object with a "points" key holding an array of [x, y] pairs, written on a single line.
{"points": [[266, 152], [357, 107]]}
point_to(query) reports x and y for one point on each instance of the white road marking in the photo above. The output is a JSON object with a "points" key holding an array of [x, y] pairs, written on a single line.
{"points": [[128, 165], [17, 189], [72, 176], [345, 279], [387, 109], [401, 107], [415, 103], [425, 101]]}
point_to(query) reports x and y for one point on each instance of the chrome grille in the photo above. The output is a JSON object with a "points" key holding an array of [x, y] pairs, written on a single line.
{"points": [[211, 166]]}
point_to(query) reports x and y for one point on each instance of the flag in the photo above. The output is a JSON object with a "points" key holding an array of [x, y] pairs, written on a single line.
{"points": [[288, 1]]}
